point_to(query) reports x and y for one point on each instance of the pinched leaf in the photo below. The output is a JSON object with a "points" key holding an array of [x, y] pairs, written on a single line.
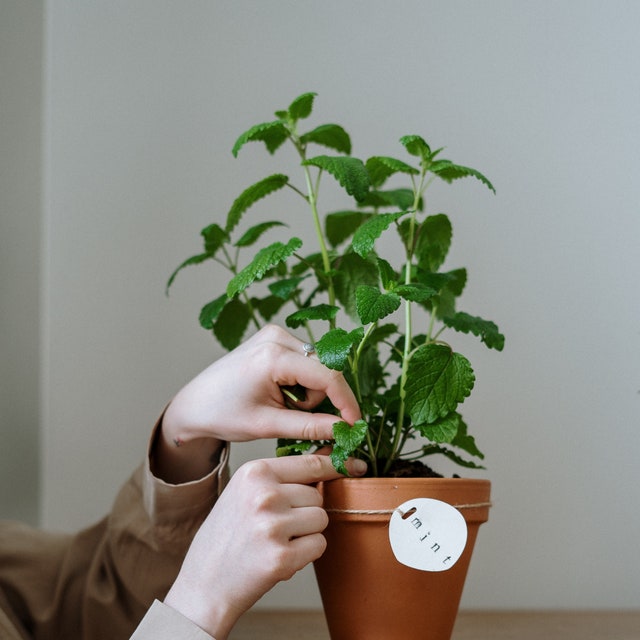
{"points": [[347, 439], [372, 305], [340, 225], [211, 311], [365, 237], [438, 380], [486, 330], [231, 323], [253, 234], [334, 347], [382, 167], [264, 260], [349, 172], [416, 146], [317, 312], [302, 106], [433, 242], [329, 135], [442, 430], [273, 134], [449, 172], [251, 195]]}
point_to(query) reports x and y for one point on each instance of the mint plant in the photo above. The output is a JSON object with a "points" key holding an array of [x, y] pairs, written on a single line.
{"points": [[381, 324]]}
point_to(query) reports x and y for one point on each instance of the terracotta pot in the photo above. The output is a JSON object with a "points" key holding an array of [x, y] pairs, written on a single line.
{"points": [[366, 593]]}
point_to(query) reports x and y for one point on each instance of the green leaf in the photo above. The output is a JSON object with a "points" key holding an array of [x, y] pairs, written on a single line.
{"points": [[214, 237], [437, 381], [286, 287], [397, 198], [264, 260], [199, 259], [340, 225], [211, 311], [416, 292], [273, 134], [251, 195], [268, 306], [372, 305], [365, 237], [388, 276], [486, 330], [449, 172], [466, 442], [347, 439], [253, 234], [380, 168], [432, 449], [302, 106], [442, 430], [349, 172], [231, 323], [318, 312], [329, 135], [288, 447], [352, 271], [433, 242], [334, 347], [416, 146]]}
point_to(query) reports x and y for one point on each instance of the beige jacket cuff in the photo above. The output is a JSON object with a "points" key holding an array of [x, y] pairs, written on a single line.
{"points": [[164, 623]]}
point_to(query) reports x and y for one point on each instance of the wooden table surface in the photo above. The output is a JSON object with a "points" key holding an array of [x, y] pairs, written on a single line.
{"points": [[471, 625]]}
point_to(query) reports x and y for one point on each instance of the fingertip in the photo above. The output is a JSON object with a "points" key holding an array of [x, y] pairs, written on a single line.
{"points": [[356, 467]]}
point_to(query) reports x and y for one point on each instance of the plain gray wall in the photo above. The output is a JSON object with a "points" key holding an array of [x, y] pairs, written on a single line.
{"points": [[142, 103]]}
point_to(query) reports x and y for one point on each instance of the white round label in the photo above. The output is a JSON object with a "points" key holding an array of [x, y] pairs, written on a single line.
{"points": [[427, 534]]}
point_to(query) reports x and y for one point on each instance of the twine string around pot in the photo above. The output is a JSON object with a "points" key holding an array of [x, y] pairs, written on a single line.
{"points": [[384, 512]]}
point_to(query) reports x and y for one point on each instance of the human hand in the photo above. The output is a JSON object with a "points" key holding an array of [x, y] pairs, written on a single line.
{"points": [[265, 527], [239, 398]]}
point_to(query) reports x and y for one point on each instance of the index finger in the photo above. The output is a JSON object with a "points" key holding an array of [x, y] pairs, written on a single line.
{"points": [[306, 469]]}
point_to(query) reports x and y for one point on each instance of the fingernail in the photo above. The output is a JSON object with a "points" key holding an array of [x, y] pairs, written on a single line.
{"points": [[359, 467]]}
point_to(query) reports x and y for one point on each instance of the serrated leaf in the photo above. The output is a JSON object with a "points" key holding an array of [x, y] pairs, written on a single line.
{"points": [[231, 323], [251, 195], [253, 234], [416, 292], [347, 439], [340, 225], [486, 330], [438, 379], [466, 442], [449, 172], [211, 311], [373, 305], [397, 198], [433, 241], [273, 134], [302, 106], [317, 312], [264, 260], [365, 237], [349, 172], [268, 306], [380, 168], [198, 259], [352, 271], [442, 430], [433, 449], [334, 347], [416, 146], [286, 287], [332, 136]]}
